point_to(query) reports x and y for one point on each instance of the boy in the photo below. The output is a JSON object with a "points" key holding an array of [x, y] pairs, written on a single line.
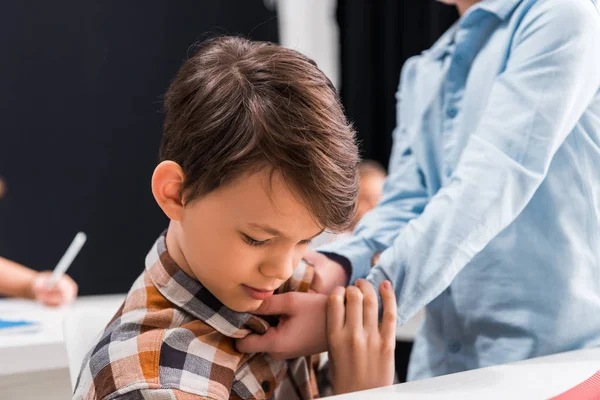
{"points": [[257, 158]]}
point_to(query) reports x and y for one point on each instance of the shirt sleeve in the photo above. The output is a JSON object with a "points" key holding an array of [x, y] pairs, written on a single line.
{"points": [[550, 78], [404, 198]]}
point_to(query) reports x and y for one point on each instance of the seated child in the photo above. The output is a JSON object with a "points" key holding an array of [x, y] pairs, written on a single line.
{"points": [[16, 280], [257, 158]]}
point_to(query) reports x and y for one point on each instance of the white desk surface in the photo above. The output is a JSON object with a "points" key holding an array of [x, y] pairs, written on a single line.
{"points": [[43, 349], [538, 378]]}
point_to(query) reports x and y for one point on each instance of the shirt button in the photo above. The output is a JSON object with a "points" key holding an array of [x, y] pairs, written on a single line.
{"points": [[452, 112], [266, 386], [458, 58], [454, 347]]}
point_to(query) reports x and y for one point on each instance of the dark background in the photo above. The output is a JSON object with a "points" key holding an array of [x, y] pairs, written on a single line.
{"points": [[81, 84], [377, 37]]}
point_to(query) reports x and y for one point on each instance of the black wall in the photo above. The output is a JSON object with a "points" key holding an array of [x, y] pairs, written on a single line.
{"points": [[80, 100], [377, 37]]}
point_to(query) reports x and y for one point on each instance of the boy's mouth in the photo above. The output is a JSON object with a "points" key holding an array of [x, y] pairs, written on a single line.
{"points": [[258, 294]]}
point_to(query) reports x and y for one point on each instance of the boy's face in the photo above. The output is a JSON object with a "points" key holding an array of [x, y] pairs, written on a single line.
{"points": [[243, 240]]}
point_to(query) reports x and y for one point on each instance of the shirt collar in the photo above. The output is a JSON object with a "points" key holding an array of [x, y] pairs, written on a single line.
{"points": [[443, 44], [189, 294], [502, 9]]}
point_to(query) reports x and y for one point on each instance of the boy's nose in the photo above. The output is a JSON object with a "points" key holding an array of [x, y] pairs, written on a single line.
{"points": [[280, 267]]}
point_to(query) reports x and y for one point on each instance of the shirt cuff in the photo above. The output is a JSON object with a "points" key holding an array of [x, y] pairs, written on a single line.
{"points": [[354, 254]]}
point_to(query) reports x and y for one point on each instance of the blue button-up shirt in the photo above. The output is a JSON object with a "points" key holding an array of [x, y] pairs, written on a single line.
{"points": [[491, 211]]}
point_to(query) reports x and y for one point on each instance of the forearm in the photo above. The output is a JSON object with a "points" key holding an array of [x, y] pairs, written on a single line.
{"points": [[404, 199], [15, 279]]}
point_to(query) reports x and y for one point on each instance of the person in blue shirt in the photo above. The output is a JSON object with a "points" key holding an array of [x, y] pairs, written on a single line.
{"points": [[490, 217]]}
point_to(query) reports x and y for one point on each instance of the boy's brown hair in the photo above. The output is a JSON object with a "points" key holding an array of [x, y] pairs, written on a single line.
{"points": [[238, 106]]}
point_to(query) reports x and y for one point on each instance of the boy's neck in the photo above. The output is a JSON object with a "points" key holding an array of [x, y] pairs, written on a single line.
{"points": [[174, 249]]}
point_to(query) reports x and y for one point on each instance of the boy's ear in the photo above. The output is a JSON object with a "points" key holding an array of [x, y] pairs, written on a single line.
{"points": [[166, 187]]}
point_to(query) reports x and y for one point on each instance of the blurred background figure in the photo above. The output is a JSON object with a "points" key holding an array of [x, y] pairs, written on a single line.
{"points": [[372, 177]]}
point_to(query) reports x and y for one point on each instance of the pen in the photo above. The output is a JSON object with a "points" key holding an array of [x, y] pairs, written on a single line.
{"points": [[66, 259]]}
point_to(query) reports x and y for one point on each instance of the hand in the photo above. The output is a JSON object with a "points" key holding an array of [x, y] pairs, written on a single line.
{"points": [[63, 292], [328, 273], [301, 330], [361, 350]]}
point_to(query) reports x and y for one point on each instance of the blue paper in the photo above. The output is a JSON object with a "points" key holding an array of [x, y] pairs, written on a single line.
{"points": [[17, 326]]}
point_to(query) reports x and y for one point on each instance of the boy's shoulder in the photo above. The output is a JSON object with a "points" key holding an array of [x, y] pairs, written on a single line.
{"points": [[152, 345]]}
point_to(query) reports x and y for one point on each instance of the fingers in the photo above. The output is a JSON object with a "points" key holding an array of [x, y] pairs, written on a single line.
{"points": [[370, 304], [388, 321], [336, 312], [354, 308], [67, 289], [63, 292], [53, 300], [255, 343], [279, 304]]}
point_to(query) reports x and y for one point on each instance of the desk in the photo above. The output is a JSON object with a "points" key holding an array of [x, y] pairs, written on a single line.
{"points": [[35, 365], [21, 352], [538, 378]]}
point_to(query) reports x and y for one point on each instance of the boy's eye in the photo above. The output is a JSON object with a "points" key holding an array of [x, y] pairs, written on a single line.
{"points": [[305, 242], [254, 242]]}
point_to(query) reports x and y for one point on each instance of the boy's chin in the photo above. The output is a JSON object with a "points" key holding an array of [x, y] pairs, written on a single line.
{"points": [[254, 306], [246, 306]]}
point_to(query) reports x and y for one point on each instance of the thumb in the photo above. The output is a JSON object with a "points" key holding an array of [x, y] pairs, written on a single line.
{"points": [[256, 343], [275, 305]]}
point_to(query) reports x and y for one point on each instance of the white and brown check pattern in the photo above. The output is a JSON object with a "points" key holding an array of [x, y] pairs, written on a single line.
{"points": [[172, 339]]}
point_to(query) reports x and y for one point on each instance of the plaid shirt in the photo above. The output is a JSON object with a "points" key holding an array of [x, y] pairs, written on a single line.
{"points": [[172, 339]]}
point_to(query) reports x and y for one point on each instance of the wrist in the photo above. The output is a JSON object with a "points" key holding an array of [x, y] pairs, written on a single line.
{"points": [[343, 262], [28, 291]]}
